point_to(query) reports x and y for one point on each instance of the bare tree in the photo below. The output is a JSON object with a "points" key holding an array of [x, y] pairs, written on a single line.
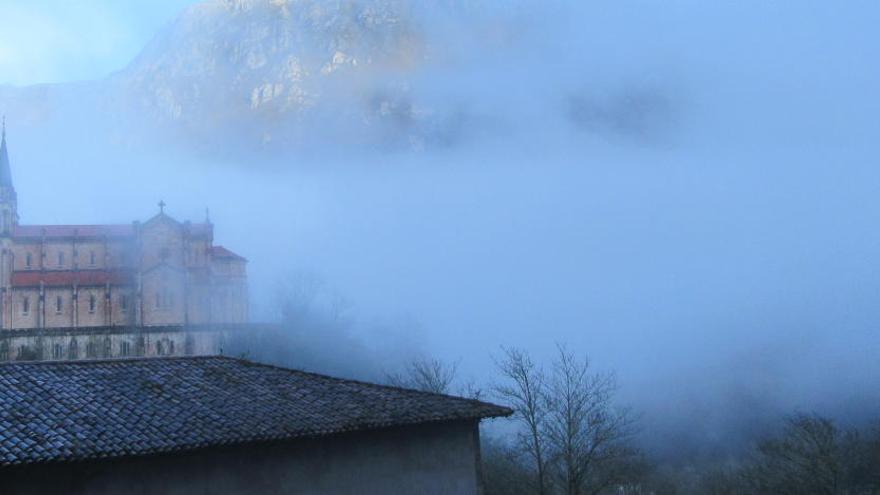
{"points": [[804, 458], [505, 471], [525, 393], [589, 437], [425, 374]]}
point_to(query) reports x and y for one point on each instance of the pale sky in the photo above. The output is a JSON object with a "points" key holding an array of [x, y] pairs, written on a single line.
{"points": [[46, 41]]}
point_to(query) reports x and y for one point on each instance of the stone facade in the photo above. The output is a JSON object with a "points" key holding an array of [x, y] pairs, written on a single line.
{"points": [[71, 344], [158, 273]]}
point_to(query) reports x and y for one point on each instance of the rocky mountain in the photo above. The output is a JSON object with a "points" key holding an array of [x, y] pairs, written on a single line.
{"points": [[276, 75], [262, 73], [270, 67]]}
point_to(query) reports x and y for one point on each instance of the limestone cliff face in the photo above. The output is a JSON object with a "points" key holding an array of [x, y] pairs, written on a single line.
{"points": [[257, 73], [271, 66]]}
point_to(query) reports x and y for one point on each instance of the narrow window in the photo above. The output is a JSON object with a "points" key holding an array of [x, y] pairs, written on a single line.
{"points": [[123, 303], [57, 351], [26, 305], [91, 350], [28, 260], [73, 349], [158, 300], [92, 303], [170, 347], [159, 348], [92, 259], [125, 349], [60, 258], [108, 347], [58, 305]]}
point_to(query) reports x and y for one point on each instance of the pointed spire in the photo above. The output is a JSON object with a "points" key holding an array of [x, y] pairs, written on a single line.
{"points": [[5, 169]]}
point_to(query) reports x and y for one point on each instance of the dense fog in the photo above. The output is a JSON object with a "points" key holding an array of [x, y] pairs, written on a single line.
{"points": [[687, 192]]}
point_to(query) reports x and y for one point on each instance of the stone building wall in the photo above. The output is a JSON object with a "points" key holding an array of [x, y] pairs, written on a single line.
{"points": [[156, 273], [52, 344]]}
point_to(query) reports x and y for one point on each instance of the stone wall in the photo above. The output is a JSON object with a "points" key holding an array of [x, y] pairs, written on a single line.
{"points": [[116, 342]]}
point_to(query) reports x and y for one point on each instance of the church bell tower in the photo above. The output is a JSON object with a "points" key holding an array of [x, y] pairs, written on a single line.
{"points": [[8, 198], [8, 221]]}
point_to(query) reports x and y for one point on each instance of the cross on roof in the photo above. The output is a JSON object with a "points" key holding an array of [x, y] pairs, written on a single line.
{"points": [[161, 206]]}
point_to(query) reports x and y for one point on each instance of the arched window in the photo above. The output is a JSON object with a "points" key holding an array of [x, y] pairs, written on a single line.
{"points": [[91, 350], [108, 347], [57, 351], [73, 349], [160, 349], [124, 348]]}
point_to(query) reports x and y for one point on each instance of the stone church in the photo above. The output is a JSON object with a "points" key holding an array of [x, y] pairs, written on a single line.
{"points": [[157, 274]]}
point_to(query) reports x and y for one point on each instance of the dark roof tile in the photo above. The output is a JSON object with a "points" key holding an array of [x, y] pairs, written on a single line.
{"points": [[64, 411]]}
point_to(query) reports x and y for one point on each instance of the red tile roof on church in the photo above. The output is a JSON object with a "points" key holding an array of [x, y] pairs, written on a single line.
{"points": [[223, 253], [67, 278], [96, 231], [126, 230]]}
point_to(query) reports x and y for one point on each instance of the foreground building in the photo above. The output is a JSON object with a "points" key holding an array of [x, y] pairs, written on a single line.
{"points": [[225, 426], [115, 279]]}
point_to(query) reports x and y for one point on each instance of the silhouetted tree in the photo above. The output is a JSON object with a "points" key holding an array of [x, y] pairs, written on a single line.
{"points": [[505, 471], [590, 438], [805, 458], [571, 427], [425, 374], [525, 392]]}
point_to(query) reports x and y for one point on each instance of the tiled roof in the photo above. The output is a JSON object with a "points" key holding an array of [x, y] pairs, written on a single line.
{"points": [[64, 411], [223, 253], [96, 231], [81, 231], [67, 278]]}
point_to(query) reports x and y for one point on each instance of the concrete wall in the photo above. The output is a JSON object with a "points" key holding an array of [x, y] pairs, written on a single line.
{"points": [[430, 459]]}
